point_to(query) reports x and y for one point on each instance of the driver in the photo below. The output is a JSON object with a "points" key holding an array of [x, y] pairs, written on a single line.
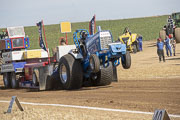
{"points": [[126, 30], [84, 35], [170, 26], [82, 43]]}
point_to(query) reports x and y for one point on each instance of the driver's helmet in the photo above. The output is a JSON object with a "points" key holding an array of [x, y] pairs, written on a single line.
{"points": [[84, 35], [126, 30]]}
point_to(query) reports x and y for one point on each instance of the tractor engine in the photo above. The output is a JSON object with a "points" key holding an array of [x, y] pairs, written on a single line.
{"points": [[98, 42]]}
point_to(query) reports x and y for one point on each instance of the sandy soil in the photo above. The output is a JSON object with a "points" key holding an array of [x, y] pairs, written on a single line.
{"points": [[146, 86]]}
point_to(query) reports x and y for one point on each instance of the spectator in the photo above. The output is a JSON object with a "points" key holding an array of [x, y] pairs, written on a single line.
{"points": [[168, 46], [140, 42], [173, 43], [160, 49], [62, 41]]}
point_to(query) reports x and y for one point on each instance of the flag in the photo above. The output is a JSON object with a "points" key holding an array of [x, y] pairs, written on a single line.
{"points": [[92, 26], [41, 41]]}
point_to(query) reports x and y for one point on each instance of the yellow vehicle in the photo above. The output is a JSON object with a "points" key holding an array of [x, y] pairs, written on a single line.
{"points": [[130, 40]]}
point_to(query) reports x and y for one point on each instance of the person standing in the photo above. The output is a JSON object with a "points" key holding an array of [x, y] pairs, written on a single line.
{"points": [[160, 49], [168, 46], [62, 41], [173, 44], [140, 42]]}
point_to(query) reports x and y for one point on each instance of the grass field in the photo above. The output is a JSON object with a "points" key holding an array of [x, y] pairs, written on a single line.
{"points": [[148, 27]]}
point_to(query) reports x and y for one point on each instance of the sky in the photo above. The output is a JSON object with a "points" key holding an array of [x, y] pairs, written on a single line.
{"points": [[29, 12]]}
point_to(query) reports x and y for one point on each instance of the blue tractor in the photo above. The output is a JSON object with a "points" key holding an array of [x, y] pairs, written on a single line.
{"points": [[93, 60]]}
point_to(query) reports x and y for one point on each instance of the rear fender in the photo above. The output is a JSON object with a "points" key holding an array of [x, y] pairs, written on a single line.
{"points": [[76, 55]]}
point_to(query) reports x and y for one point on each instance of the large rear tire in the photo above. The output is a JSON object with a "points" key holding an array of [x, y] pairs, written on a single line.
{"points": [[104, 76], [126, 60], [70, 72], [177, 35], [7, 81], [14, 81], [162, 34]]}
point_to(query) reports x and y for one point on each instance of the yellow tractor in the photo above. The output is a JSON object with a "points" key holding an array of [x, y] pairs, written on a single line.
{"points": [[130, 39]]}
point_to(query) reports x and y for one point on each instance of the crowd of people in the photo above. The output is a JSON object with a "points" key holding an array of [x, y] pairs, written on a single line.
{"points": [[170, 46]]}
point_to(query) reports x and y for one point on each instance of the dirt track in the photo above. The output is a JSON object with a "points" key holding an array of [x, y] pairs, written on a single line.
{"points": [[146, 86]]}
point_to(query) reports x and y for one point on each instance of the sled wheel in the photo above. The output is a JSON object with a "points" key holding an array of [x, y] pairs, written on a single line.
{"points": [[14, 82], [6, 79], [35, 77]]}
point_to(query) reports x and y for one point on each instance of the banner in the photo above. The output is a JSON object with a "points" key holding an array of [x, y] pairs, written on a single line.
{"points": [[92, 26], [41, 41]]}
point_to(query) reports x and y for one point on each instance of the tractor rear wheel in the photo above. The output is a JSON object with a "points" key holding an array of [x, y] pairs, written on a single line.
{"points": [[104, 76], [70, 72], [177, 35], [137, 46], [94, 63], [14, 81], [6, 79], [134, 48], [162, 34], [126, 60]]}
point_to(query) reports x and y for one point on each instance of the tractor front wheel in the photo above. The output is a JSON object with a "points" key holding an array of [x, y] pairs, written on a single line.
{"points": [[70, 72], [126, 60]]}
